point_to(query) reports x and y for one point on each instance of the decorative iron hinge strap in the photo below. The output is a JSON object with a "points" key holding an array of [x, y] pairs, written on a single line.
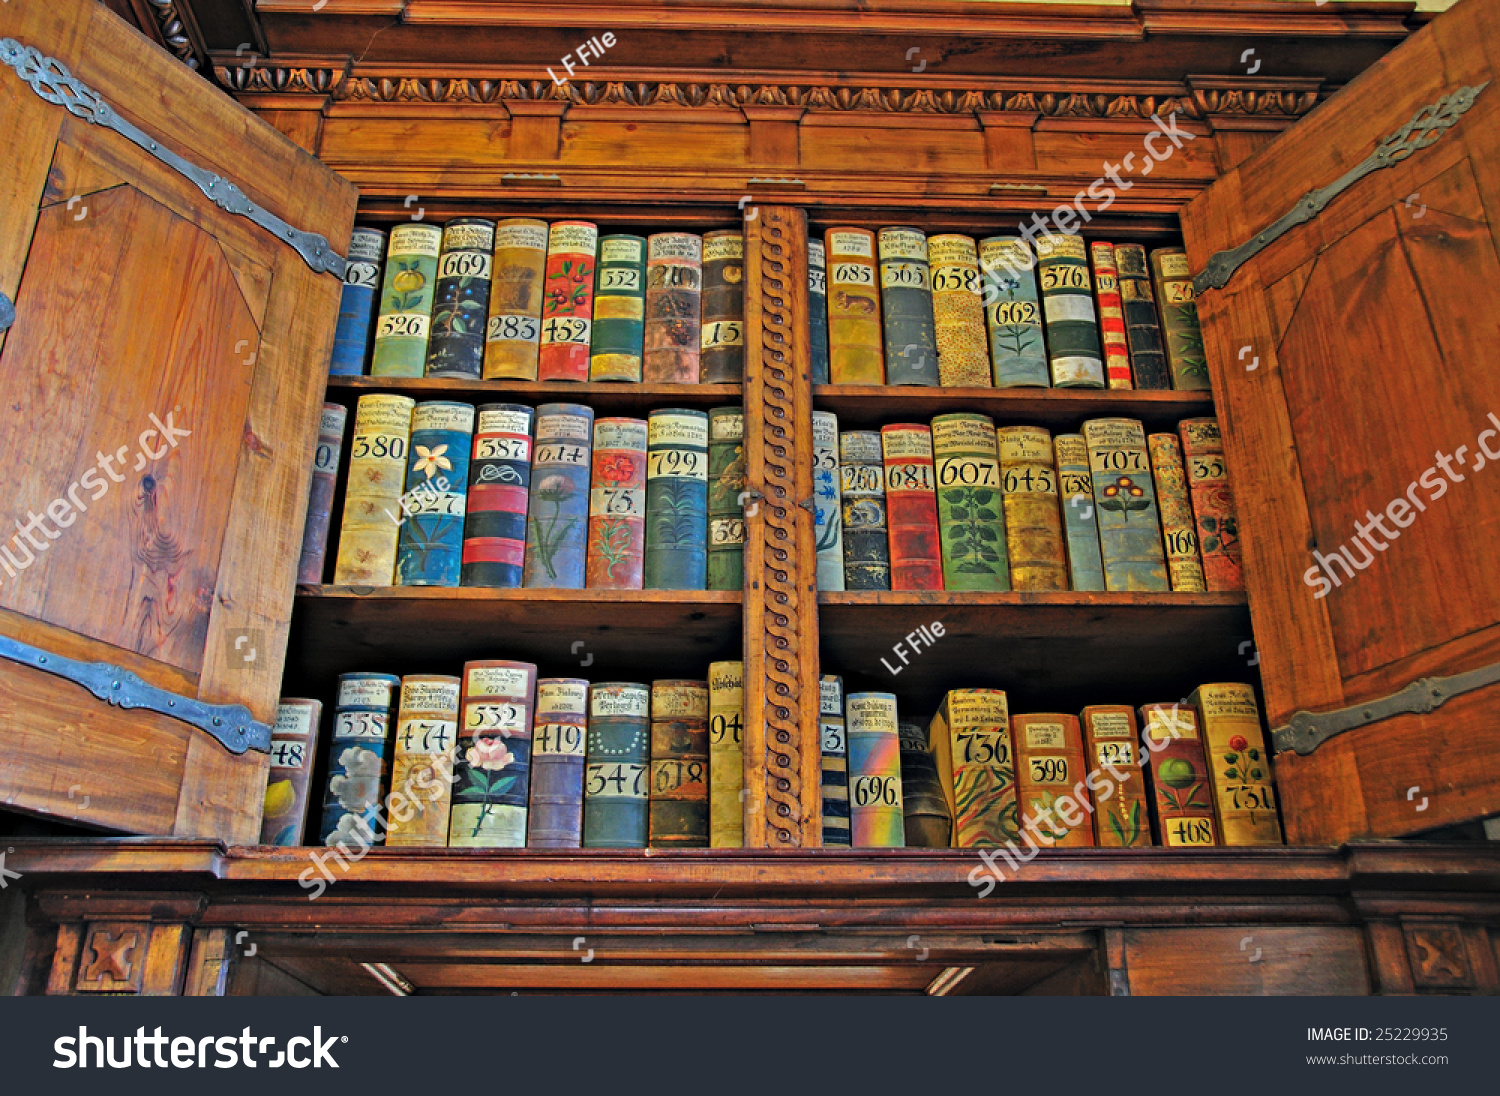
{"points": [[231, 724], [1305, 732], [1425, 127], [50, 79]]}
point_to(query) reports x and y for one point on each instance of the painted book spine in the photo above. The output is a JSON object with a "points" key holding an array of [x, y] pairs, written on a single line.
{"points": [[1116, 344], [723, 338], [555, 817], [1050, 771], [855, 351], [971, 517], [422, 766], [430, 551], [1213, 504], [406, 296], [499, 483], [461, 306], [1148, 358], [359, 761], [617, 505], [835, 761], [294, 741], [558, 508], [677, 501], [911, 506], [726, 756], [906, 303], [817, 309], [1013, 314], [492, 772], [1033, 520], [679, 765], [1178, 530], [568, 302], [1244, 797], [926, 821], [1068, 305], [1080, 524], [674, 308], [970, 740], [867, 550], [1122, 819], [828, 511], [726, 515], [351, 337], [618, 343], [1180, 786], [617, 768], [876, 807], [513, 336], [320, 498], [958, 313], [1173, 278], [1125, 504], [372, 497]]}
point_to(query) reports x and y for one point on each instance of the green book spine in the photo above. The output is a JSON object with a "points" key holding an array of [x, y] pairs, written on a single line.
{"points": [[1080, 525], [679, 765], [406, 296], [1013, 314], [1068, 305], [828, 518], [867, 546], [617, 767], [906, 301], [723, 338], [461, 301], [726, 512], [617, 339], [1179, 319], [835, 761], [677, 501], [971, 515], [1125, 501]]}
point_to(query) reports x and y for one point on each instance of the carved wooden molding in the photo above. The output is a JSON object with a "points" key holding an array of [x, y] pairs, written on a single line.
{"points": [[1439, 956], [114, 959], [177, 33]]}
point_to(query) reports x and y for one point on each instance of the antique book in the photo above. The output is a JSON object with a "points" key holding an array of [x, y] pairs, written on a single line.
{"points": [[828, 516], [855, 351], [1112, 757], [461, 305], [970, 741], [1239, 767], [351, 338], [430, 549], [726, 508], [926, 821], [499, 486], [679, 765], [1178, 530], [617, 347], [875, 801], [320, 497], [617, 767], [911, 507], [1115, 344], [835, 761], [817, 310], [1013, 314], [674, 308], [1080, 524], [1125, 505], [1173, 278], [558, 508], [723, 340], [971, 516], [1213, 504], [958, 313], [568, 302], [1181, 796], [1050, 779], [867, 551], [677, 500], [1033, 519], [492, 773], [726, 757], [1148, 358], [555, 817], [617, 505], [426, 744], [514, 334], [359, 761], [906, 301], [294, 742], [1068, 306], [406, 295], [372, 495]]}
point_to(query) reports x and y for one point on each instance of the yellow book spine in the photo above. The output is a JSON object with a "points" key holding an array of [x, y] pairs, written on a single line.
{"points": [[422, 766], [855, 350], [1244, 797], [372, 501], [1033, 519], [513, 336], [1055, 803], [726, 763], [958, 313], [1178, 529], [981, 773]]}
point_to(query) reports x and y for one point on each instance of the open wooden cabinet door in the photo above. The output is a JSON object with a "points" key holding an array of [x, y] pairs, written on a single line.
{"points": [[172, 268], [1353, 360]]}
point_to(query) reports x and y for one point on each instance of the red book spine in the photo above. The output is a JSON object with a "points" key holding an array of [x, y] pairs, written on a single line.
{"points": [[911, 508], [568, 302], [617, 505], [1111, 316], [1213, 504]]}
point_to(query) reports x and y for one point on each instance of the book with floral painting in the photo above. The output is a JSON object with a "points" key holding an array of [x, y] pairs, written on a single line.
{"points": [[430, 549], [568, 302], [970, 741], [617, 505], [358, 760], [676, 501], [492, 773], [558, 510], [1177, 771]]}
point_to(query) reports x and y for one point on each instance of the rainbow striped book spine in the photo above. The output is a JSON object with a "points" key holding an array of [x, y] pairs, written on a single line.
{"points": [[835, 761], [369, 531], [555, 819], [674, 308], [911, 507], [971, 514], [359, 760], [1013, 314], [1111, 315], [1080, 524], [1125, 500], [406, 301], [723, 338], [1033, 522], [461, 304], [294, 742], [1179, 532], [558, 509], [320, 497], [619, 310], [492, 774], [617, 767], [357, 305], [958, 313], [499, 483], [726, 756], [876, 810], [1068, 305], [679, 765], [422, 767], [726, 485], [906, 302], [430, 551], [677, 501], [513, 336], [854, 324], [828, 524], [568, 302], [617, 505]]}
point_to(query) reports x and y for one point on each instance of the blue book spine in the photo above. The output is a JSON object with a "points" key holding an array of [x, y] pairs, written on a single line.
{"points": [[676, 555], [1080, 523], [359, 761], [351, 338], [430, 549], [558, 511]]}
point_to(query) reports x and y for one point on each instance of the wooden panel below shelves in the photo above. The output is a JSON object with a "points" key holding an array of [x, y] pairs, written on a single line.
{"points": [[1058, 409], [1326, 960], [605, 399]]}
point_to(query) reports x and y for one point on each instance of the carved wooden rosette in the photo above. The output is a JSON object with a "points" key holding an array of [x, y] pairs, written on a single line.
{"points": [[783, 807]]}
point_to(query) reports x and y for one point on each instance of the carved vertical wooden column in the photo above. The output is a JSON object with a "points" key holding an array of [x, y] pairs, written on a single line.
{"points": [[783, 792]]}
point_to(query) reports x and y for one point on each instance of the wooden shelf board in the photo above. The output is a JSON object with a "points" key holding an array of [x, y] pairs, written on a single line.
{"points": [[1058, 409], [603, 398]]}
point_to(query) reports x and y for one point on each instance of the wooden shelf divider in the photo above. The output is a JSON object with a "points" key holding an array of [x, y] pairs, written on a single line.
{"points": [[1059, 409]]}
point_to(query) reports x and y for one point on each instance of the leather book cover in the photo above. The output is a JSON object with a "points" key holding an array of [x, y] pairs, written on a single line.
{"points": [[617, 768], [294, 742], [970, 742], [618, 345], [723, 339], [1148, 357], [817, 310], [677, 500], [1240, 768], [351, 338], [910, 335], [1181, 797], [828, 515], [499, 490], [1213, 504], [372, 497], [876, 815], [911, 507], [492, 773], [1115, 343], [971, 514], [835, 761], [425, 745], [1125, 505], [855, 351], [1033, 518], [359, 761], [867, 551], [927, 823], [461, 304], [555, 817], [1178, 530], [1173, 278], [1013, 316], [513, 336], [568, 302], [406, 295], [617, 505], [1050, 778], [430, 549], [1073, 348], [674, 308], [726, 755], [320, 497], [726, 509], [1080, 524], [958, 313], [1122, 819], [558, 509], [679, 765]]}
